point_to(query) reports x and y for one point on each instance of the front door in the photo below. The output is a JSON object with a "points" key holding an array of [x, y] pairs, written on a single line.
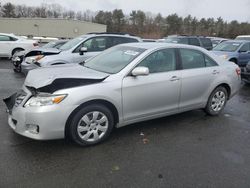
{"points": [[156, 93], [94, 46]]}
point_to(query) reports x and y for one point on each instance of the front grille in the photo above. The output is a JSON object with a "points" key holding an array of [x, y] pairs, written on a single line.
{"points": [[20, 96]]}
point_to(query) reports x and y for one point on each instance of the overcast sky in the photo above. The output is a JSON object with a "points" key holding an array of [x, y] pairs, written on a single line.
{"points": [[227, 9]]}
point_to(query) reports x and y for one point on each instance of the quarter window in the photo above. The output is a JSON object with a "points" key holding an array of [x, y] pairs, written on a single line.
{"points": [[209, 62], [160, 61]]}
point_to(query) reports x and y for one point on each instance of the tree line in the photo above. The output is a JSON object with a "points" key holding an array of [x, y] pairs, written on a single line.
{"points": [[137, 22]]}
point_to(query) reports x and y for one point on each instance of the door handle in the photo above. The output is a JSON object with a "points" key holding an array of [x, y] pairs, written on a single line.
{"points": [[215, 72], [174, 78]]}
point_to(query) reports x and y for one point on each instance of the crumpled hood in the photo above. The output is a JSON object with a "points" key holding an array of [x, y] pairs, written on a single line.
{"points": [[48, 50], [42, 77], [42, 51]]}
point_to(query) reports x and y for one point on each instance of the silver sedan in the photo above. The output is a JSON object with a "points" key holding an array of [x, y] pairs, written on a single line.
{"points": [[125, 84]]}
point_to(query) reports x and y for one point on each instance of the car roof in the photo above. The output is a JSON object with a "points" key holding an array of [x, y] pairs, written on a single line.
{"points": [[243, 36], [151, 45], [110, 34], [242, 41]]}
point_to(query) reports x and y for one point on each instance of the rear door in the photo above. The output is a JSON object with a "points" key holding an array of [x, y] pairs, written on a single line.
{"points": [[199, 72], [156, 93], [5, 45]]}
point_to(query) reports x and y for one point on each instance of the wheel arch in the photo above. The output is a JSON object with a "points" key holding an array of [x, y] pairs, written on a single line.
{"points": [[106, 103], [16, 48], [227, 87]]}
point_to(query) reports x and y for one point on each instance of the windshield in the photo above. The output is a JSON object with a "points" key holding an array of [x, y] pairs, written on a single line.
{"points": [[114, 59], [72, 43], [228, 46], [176, 40], [50, 45]]}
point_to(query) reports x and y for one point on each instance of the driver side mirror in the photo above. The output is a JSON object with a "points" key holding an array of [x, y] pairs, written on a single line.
{"points": [[140, 71], [83, 50]]}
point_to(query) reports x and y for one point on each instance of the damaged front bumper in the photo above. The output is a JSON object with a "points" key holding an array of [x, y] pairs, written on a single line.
{"points": [[39, 123]]}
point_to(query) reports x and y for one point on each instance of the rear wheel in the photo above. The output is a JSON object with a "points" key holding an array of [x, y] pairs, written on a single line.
{"points": [[91, 125], [217, 101]]}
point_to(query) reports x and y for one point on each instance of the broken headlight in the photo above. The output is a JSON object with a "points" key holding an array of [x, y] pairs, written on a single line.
{"points": [[44, 100]]}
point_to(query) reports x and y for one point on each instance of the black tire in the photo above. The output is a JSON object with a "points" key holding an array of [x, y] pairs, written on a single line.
{"points": [[234, 61], [17, 69], [73, 124], [209, 109]]}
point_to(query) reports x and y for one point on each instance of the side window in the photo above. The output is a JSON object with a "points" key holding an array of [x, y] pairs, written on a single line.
{"points": [[209, 62], [121, 40], [95, 44], [13, 39], [206, 43], [192, 59], [194, 41], [4, 38], [160, 61], [245, 48]]}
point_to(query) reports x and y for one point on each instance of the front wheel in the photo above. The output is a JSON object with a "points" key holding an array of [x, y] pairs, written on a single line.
{"points": [[217, 101], [91, 125]]}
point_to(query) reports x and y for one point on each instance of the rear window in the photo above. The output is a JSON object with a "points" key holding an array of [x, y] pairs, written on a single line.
{"points": [[194, 41], [206, 43]]}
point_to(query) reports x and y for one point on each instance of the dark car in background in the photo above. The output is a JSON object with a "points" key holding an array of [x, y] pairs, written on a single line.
{"points": [[201, 41], [245, 73], [237, 51], [18, 57]]}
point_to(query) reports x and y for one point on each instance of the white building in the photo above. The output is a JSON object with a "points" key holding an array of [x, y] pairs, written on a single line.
{"points": [[48, 27]]}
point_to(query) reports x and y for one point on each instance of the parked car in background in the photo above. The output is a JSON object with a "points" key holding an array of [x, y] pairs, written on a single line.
{"points": [[125, 84], [79, 49], [201, 41], [217, 40], [10, 44], [236, 51], [243, 37], [245, 73], [149, 40], [35, 54]]}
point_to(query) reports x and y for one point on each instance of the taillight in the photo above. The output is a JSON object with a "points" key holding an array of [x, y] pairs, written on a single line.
{"points": [[238, 71], [35, 44]]}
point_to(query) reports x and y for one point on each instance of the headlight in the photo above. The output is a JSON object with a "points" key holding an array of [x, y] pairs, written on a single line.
{"points": [[44, 100], [34, 59], [224, 56]]}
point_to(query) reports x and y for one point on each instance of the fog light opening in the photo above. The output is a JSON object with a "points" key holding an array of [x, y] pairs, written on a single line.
{"points": [[34, 129]]}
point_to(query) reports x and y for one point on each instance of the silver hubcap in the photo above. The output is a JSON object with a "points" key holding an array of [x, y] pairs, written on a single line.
{"points": [[92, 126], [218, 101]]}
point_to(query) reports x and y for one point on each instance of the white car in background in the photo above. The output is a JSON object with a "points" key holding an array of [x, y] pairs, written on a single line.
{"points": [[10, 44]]}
